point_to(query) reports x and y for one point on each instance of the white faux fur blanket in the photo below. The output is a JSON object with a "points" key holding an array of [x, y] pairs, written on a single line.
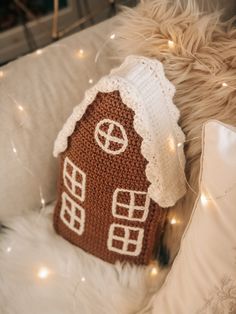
{"points": [[40, 272]]}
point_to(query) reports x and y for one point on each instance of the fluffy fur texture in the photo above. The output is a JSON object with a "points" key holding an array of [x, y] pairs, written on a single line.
{"points": [[204, 56], [77, 282]]}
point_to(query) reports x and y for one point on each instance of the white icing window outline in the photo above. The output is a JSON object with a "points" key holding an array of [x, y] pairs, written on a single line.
{"points": [[125, 240], [109, 138], [72, 179], [71, 212], [131, 207]]}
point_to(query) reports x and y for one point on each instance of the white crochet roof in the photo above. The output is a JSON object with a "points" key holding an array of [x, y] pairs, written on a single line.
{"points": [[144, 88]]}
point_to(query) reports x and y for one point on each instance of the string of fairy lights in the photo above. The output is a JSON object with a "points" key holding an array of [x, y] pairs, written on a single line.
{"points": [[44, 272]]}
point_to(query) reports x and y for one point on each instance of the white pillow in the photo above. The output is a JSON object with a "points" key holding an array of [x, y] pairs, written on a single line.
{"points": [[203, 276]]}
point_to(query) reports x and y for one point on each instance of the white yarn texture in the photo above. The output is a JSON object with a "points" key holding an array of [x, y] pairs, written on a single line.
{"points": [[144, 88]]}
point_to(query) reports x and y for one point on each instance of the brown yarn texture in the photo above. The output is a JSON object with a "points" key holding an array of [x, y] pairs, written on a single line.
{"points": [[104, 174]]}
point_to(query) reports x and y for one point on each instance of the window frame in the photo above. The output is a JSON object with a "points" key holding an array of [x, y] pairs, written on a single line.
{"points": [[131, 207], [72, 179], [72, 213], [125, 240]]}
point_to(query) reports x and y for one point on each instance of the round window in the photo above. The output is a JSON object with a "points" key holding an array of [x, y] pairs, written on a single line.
{"points": [[111, 136]]}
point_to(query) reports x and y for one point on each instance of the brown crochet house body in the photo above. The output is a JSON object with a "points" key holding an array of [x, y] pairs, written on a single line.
{"points": [[104, 173]]}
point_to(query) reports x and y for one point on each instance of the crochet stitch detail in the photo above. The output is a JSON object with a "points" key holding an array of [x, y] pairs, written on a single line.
{"points": [[144, 88]]}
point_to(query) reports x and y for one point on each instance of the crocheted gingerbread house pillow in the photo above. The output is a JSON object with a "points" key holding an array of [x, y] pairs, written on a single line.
{"points": [[120, 166]]}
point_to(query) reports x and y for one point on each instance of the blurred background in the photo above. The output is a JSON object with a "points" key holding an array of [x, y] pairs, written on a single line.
{"points": [[27, 25]]}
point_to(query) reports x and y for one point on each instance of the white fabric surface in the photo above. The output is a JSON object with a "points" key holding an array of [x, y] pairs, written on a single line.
{"points": [[37, 93], [77, 283], [144, 89], [203, 276]]}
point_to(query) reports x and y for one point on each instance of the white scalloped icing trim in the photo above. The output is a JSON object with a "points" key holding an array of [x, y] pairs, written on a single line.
{"points": [[164, 171]]}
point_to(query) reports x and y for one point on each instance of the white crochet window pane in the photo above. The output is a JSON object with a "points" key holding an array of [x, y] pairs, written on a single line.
{"points": [[74, 179], [130, 205], [111, 136], [72, 214], [125, 240]]}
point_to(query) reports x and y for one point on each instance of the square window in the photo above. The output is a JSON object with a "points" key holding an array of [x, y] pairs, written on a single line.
{"points": [[117, 244], [73, 216], [138, 214], [119, 231], [78, 213], [78, 191], [131, 247], [130, 205], [69, 168], [140, 199], [68, 183], [67, 216], [122, 211], [76, 225], [124, 197], [74, 179], [133, 234], [129, 242]]}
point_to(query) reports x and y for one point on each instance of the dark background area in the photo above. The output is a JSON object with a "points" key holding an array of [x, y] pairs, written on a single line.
{"points": [[27, 25], [12, 15]]}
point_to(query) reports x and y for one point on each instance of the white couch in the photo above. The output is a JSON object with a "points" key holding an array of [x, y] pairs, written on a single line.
{"points": [[37, 93]]}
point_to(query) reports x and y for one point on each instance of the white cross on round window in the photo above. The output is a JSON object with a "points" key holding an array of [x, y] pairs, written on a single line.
{"points": [[111, 136]]}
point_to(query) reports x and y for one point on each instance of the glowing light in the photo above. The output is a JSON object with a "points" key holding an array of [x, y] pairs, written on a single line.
{"points": [[171, 143], [173, 221], [171, 44], [14, 150], [43, 201], [20, 108], [154, 271], [180, 144], [224, 84], [90, 81], [43, 273], [1, 74], [80, 53], [113, 36], [39, 52], [204, 199], [83, 279], [9, 249]]}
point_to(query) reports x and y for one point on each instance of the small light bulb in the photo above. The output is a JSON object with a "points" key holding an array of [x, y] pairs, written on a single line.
{"points": [[14, 150], [173, 221], [204, 199], [83, 279], [1, 74], [39, 52], [171, 143], [154, 271], [171, 44], [80, 53], [113, 36], [43, 273], [90, 81], [224, 84], [9, 249], [20, 108]]}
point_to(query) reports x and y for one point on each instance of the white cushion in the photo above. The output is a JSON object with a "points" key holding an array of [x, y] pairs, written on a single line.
{"points": [[203, 276], [37, 93]]}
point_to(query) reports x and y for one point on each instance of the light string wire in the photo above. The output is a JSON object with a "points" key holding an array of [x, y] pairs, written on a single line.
{"points": [[15, 151]]}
